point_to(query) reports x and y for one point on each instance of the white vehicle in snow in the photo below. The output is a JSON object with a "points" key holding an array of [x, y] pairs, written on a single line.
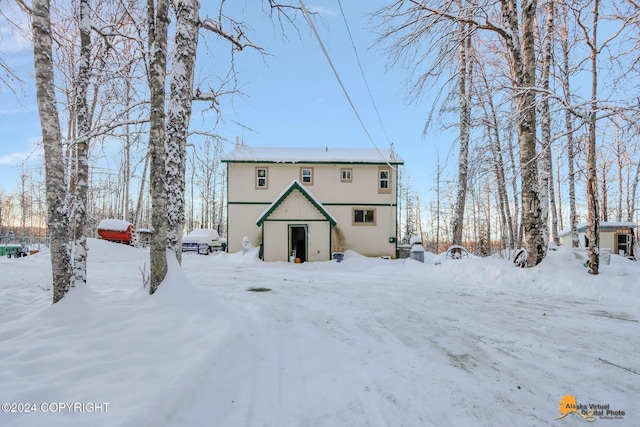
{"points": [[202, 241]]}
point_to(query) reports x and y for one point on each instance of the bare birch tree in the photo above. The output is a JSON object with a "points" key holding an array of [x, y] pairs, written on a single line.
{"points": [[547, 199], [565, 75], [492, 124], [411, 22], [158, 22], [179, 115], [57, 212], [79, 205], [464, 93], [168, 132]]}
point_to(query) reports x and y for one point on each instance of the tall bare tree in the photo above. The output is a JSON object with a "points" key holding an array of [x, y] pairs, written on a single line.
{"points": [[57, 212], [565, 73], [547, 196], [158, 21], [592, 190], [410, 22], [179, 115], [79, 205], [492, 124], [465, 84]]}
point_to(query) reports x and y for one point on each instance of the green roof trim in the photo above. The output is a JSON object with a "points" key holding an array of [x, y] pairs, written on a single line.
{"points": [[316, 162], [295, 185]]}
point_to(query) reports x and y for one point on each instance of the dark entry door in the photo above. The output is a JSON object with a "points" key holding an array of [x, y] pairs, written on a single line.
{"points": [[298, 241]]}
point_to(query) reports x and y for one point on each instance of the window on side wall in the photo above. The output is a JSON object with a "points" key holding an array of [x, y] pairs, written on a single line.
{"points": [[262, 178], [364, 216], [306, 176], [345, 175], [384, 180]]}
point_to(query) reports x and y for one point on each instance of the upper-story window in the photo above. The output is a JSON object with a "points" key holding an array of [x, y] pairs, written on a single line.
{"points": [[384, 180], [262, 178], [345, 175], [306, 176]]}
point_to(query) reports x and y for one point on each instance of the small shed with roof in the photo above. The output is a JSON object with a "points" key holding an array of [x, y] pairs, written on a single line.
{"points": [[618, 237]]}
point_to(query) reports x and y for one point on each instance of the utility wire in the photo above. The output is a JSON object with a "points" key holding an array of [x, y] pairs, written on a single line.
{"points": [[364, 78], [335, 72]]}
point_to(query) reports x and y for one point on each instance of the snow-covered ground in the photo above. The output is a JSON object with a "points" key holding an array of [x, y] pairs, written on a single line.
{"points": [[364, 342]]}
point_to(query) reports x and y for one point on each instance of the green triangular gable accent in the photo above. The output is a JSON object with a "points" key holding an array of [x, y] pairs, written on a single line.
{"points": [[295, 185]]}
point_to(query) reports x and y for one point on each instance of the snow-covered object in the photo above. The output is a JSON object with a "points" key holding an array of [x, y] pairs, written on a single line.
{"points": [[417, 251], [114, 225], [203, 241], [116, 230], [363, 342], [415, 240], [457, 252], [311, 154]]}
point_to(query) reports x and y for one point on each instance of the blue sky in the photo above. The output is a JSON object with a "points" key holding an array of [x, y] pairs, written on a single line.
{"points": [[292, 96]]}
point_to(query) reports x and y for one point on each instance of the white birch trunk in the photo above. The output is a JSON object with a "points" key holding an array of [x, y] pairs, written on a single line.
{"points": [[464, 85], [493, 131], [179, 115], [545, 125], [523, 64], [566, 89], [56, 194], [79, 210], [158, 23], [634, 189], [592, 190]]}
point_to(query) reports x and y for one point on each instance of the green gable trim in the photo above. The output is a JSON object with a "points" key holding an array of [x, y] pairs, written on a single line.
{"points": [[295, 185]]}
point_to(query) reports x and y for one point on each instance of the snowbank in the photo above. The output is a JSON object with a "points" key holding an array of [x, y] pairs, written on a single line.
{"points": [[366, 341]]}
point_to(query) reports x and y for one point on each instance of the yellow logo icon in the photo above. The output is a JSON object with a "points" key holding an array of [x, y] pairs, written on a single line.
{"points": [[569, 405]]}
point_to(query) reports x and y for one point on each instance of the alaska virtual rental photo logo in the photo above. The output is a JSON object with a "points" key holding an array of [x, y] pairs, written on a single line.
{"points": [[589, 412]]}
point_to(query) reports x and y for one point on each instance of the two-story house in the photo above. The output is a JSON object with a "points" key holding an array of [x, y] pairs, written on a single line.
{"points": [[312, 202]]}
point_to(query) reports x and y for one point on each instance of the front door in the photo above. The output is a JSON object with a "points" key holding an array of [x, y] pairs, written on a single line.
{"points": [[298, 241], [623, 244]]}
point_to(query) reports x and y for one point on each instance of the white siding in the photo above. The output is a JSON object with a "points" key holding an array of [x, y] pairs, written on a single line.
{"points": [[276, 234], [296, 207], [327, 187], [241, 222], [339, 198]]}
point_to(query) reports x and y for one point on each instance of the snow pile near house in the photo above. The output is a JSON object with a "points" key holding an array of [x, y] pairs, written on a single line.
{"points": [[366, 341]]}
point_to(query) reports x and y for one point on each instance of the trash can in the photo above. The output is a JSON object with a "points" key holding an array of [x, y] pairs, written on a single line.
{"points": [[417, 252], [338, 256]]}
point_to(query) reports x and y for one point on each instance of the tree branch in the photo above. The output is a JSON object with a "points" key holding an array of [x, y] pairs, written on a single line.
{"points": [[236, 40]]}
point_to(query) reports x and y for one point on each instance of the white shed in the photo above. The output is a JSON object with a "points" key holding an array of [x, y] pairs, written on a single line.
{"points": [[618, 237]]}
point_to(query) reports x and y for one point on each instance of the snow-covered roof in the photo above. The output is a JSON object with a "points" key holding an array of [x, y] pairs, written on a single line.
{"points": [[114, 225], [604, 226], [244, 153]]}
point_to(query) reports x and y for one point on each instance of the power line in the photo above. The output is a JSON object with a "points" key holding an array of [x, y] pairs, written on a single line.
{"points": [[335, 72], [364, 78]]}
